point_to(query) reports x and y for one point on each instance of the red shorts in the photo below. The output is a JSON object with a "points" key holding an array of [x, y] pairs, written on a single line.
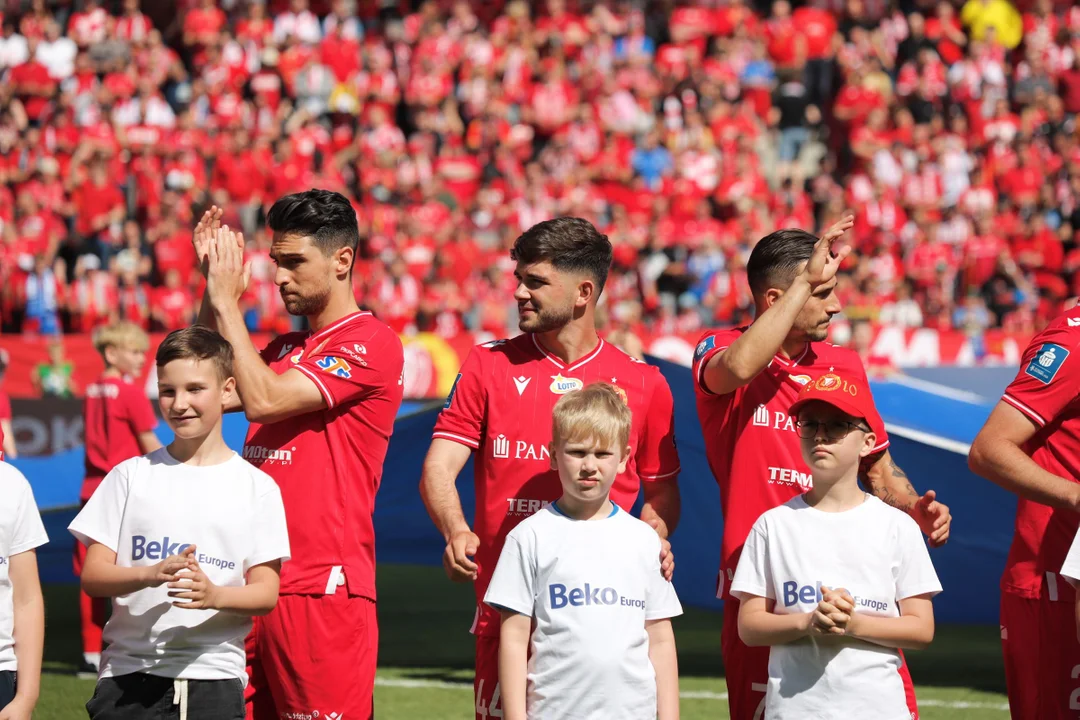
{"points": [[313, 653], [747, 671], [487, 694], [1042, 658]]}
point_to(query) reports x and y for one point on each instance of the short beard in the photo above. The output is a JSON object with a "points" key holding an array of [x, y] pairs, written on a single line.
{"points": [[818, 333], [307, 306], [547, 320]]}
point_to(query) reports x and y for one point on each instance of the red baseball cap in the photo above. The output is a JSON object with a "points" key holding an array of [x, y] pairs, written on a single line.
{"points": [[849, 394]]}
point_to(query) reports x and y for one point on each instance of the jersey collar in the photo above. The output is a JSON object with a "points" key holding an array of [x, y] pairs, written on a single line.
{"points": [[559, 363], [338, 325], [785, 363]]}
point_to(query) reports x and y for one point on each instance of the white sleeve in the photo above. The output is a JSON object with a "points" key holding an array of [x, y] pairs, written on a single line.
{"points": [[271, 533], [513, 584], [1071, 569], [29, 531], [661, 602], [914, 574], [101, 518], [753, 576]]}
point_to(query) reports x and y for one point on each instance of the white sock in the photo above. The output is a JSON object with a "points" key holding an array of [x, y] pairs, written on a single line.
{"points": [[93, 658]]}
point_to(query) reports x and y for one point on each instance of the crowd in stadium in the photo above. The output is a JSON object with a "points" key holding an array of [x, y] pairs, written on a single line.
{"points": [[685, 133]]}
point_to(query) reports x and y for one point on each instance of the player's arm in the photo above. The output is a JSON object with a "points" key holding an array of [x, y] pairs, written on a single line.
{"points": [[29, 630], [258, 596], [887, 481], [913, 630], [997, 454], [438, 488], [751, 352], [9, 448], [665, 664], [513, 661], [662, 506], [102, 577], [148, 442], [265, 396]]}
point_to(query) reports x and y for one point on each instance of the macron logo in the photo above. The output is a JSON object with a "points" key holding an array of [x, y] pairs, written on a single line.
{"points": [[1074, 322], [522, 383]]}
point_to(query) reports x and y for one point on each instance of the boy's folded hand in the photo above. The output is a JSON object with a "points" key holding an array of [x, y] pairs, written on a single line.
{"points": [[193, 590], [166, 570], [832, 614]]}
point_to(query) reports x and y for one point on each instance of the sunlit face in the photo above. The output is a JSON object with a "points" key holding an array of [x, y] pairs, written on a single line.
{"points": [[128, 361], [191, 396], [836, 440], [587, 468], [304, 274], [546, 297], [812, 322]]}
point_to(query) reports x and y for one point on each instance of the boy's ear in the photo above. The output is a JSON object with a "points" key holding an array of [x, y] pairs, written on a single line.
{"points": [[228, 389], [869, 443], [624, 460]]}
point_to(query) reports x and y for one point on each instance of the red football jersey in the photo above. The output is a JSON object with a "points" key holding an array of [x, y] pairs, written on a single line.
{"points": [[115, 412], [329, 463], [750, 439], [501, 407], [1045, 391]]}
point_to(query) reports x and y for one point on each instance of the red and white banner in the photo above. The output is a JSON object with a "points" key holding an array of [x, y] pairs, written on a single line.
{"points": [[432, 361]]}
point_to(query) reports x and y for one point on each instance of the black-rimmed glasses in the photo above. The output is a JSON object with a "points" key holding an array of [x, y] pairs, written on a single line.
{"points": [[834, 429]]}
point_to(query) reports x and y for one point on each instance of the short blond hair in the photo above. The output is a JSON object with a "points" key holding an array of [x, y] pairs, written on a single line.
{"points": [[597, 413], [122, 335]]}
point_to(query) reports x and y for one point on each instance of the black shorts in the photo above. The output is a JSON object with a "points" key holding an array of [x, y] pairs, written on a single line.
{"points": [[7, 687], [141, 695]]}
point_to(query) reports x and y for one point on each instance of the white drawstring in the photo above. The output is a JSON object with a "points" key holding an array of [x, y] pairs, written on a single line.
{"points": [[180, 696]]}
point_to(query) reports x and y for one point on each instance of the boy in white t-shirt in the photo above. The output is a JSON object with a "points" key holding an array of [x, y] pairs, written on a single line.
{"points": [[188, 541], [587, 575], [835, 580], [22, 610]]}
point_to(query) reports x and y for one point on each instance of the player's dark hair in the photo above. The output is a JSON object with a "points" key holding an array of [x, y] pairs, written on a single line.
{"points": [[197, 342], [777, 256], [324, 215], [569, 244]]}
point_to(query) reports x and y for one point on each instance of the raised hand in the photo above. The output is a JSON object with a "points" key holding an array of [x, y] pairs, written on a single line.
{"points": [[227, 274], [203, 234], [825, 261]]}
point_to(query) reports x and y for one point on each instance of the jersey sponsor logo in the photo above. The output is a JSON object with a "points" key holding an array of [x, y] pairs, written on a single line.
{"points": [[811, 595], [335, 366], [801, 379], [258, 455], [559, 596], [3, 561], [154, 549], [297, 356], [777, 420], [703, 347], [521, 383], [284, 351], [502, 448], [1074, 322], [313, 715], [493, 343], [450, 397], [524, 507], [561, 385], [1046, 363], [103, 390], [356, 353], [790, 476]]}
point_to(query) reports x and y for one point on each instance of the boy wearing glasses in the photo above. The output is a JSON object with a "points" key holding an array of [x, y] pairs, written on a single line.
{"points": [[835, 581]]}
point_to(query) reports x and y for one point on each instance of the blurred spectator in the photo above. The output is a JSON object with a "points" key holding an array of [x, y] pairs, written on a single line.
{"points": [[55, 377], [685, 130], [8, 450]]}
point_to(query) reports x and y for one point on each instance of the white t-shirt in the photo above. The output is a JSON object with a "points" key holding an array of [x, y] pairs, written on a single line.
{"points": [[1071, 569], [877, 554], [151, 507], [20, 531], [590, 586]]}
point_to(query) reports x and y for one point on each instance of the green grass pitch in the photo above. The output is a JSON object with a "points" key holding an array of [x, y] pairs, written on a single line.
{"points": [[426, 657]]}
